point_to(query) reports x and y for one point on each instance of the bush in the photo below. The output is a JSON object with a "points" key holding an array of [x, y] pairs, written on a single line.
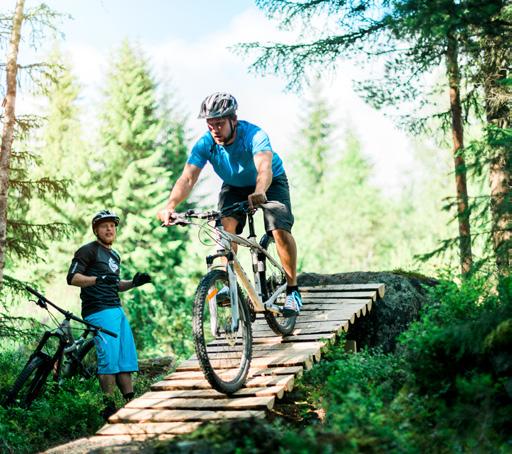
{"points": [[62, 413]]}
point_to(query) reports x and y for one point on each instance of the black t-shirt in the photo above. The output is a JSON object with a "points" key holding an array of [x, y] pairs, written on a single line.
{"points": [[93, 259]]}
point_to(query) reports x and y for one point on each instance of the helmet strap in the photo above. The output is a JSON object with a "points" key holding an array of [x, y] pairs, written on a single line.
{"points": [[232, 131]]}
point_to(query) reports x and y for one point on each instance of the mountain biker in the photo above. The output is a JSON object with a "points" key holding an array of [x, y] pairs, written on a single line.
{"points": [[95, 268], [241, 154]]}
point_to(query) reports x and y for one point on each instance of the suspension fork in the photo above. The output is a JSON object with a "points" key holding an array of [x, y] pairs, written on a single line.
{"points": [[233, 290]]}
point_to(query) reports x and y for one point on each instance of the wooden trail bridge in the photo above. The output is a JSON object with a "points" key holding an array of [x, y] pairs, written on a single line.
{"points": [[184, 399]]}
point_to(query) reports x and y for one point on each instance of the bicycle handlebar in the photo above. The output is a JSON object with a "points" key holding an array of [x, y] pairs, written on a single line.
{"points": [[212, 215], [42, 299]]}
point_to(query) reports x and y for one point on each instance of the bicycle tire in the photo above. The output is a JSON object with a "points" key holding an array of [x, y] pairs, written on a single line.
{"points": [[272, 279], [83, 362], [225, 357], [30, 382]]}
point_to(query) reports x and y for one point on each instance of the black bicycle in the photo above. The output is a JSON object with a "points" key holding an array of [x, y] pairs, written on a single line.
{"points": [[69, 358]]}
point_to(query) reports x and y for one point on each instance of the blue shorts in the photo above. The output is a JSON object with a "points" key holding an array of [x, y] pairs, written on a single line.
{"points": [[115, 354]]}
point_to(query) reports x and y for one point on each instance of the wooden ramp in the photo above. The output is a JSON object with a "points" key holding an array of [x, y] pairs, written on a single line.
{"points": [[184, 399]]}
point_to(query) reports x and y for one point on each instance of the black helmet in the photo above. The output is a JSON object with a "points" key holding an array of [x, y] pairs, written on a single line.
{"points": [[218, 105], [104, 215]]}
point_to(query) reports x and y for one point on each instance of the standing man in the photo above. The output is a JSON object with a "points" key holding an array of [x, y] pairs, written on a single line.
{"points": [[241, 155], [95, 269]]}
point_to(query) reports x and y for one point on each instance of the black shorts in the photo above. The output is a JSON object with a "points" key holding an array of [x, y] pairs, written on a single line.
{"points": [[279, 217]]}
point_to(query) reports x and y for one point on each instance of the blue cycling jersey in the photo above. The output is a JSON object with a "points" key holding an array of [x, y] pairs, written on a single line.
{"points": [[234, 163]]}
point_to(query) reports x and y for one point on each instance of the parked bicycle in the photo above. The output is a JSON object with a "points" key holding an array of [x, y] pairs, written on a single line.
{"points": [[71, 356], [222, 313]]}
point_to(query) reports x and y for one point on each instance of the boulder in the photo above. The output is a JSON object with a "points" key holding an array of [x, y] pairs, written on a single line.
{"points": [[404, 297]]}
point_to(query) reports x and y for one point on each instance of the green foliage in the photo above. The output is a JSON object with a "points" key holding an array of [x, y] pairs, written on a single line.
{"points": [[338, 209], [62, 413], [143, 152], [448, 388]]}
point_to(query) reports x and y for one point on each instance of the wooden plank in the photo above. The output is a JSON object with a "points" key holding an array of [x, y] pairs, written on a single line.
{"points": [[257, 381], [283, 359], [321, 316], [309, 328], [145, 428], [332, 305], [264, 350], [253, 371], [330, 295], [342, 313], [273, 338], [233, 403], [277, 391], [379, 287], [153, 415]]}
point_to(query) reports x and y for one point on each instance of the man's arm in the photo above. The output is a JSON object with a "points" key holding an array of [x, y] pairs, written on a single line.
{"points": [[180, 191], [263, 163], [82, 281], [125, 285]]}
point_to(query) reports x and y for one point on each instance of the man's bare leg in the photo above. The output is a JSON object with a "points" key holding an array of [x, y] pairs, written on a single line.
{"points": [[287, 251], [124, 383], [107, 383]]}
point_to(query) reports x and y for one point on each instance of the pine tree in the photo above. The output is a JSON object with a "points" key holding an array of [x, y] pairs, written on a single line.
{"points": [[143, 154], [408, 39], [340, 218], [22, 240]]}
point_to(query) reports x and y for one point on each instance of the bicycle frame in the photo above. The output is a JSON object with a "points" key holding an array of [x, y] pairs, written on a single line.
{"points": [[235, 270]]}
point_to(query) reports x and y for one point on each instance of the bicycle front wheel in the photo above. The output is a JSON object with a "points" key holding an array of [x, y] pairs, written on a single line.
{"points": [[272, 280], [83, 362], [30, 382], [224, 353]]}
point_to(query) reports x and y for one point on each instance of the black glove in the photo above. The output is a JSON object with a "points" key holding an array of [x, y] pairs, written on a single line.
{"points": [[140, 279], [107, 279]]}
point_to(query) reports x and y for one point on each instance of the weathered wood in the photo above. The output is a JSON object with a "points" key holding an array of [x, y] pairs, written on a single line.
{"points": [[233, 403], [380, 288], [272, 338], [341, 294], [253, 372], [144, 428], [278, 391], [257, 381], [147, 415], [179, 403], [283, 359], [308, 328], [306, 322], [332, 305], [264, 350]]}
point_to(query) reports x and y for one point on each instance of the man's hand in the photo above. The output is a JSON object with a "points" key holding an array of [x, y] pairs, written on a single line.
{"points": [[140, 279], [257, 198], [107, 279], [165, 215]]}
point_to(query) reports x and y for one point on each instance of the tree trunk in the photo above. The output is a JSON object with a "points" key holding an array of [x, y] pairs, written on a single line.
{"points": [[466, 257], [8, 129], [497, 59]]}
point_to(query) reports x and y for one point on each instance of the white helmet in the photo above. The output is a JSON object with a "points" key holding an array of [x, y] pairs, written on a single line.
{"points": [[218, 105]]}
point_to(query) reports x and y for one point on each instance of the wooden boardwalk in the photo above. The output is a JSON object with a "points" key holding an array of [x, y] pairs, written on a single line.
{"points": [[184, 399]]}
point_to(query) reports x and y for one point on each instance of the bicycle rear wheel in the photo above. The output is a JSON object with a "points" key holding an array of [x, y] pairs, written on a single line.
{"points": [[273, 278], [224, 356], [30, 382]]}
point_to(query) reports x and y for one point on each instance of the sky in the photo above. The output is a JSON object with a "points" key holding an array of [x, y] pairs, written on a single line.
{"points": [[188, 46]]}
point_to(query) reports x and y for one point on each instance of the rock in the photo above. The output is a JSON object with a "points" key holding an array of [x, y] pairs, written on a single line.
{"points": [[405, 295], [156, 366]]}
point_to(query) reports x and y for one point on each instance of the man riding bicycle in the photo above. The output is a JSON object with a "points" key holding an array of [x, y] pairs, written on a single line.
{"points": [[241, 154]]}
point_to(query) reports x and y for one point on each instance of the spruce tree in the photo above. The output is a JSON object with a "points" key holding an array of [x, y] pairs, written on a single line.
{"points": [[143, 153], [409, 39]]}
